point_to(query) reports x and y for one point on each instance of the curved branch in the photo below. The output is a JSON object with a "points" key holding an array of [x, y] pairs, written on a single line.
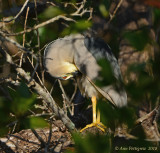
{"points": [[41, 91], [41, 25]]}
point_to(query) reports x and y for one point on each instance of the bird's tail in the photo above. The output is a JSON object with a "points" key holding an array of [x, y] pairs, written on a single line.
{"points": [[117, 94]]}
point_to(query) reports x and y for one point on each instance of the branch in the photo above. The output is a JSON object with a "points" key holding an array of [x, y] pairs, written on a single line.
{"points": [[3, 38], [41, 91], [41, 25], [65, 98], [24, 5], [81, 7], [115, 11], [18, 137], [147, 116], [38, 137]]}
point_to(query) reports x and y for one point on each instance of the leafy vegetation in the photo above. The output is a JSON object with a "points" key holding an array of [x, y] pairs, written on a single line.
{"points": [[132, 30]]}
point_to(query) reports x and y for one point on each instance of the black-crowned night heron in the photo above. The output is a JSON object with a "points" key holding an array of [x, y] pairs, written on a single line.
{"points": [[76, 56]]}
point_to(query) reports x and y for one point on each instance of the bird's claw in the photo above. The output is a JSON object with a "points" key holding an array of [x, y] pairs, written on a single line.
{"points": [[98, 125]]}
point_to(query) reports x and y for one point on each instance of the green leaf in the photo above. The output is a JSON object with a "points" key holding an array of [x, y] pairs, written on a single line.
{"points": [[156, 15], [51, 12], [91, 143], [114, 115], [138, 39], [22, 99], [79, 26], [33, 122], [103, 10], [4, 131], [4, 110], [5, 118], [106, 74]]}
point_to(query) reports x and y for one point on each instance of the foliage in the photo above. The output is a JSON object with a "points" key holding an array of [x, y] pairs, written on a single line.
{"points": [[91, 143], [79, 26], [106, 74], [136, 38], [21, 100], [16, 106]]}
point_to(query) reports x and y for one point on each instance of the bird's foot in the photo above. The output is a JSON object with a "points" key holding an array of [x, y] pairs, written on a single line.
{"points": [[99, 125]]}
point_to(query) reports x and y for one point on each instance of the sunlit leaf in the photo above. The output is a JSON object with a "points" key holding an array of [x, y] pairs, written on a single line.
{"points": [[33, 122], [103, 10], [51, 12], [79, 26]]}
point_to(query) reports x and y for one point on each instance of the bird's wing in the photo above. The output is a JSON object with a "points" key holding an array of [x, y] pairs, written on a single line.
{"points": [[104, 94], [88, 51], [100, 50]]}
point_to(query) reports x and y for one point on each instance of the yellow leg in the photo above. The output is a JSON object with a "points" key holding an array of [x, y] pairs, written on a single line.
{"points": [[98, 120], [94, 103], [96, 117]]}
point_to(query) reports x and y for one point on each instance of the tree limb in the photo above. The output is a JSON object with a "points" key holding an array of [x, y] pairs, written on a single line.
{"points": [[41, 91]]}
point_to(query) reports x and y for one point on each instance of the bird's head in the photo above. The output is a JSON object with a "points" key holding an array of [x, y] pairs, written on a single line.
{"points": [[61, 70], [59, 59], [68, 75]]}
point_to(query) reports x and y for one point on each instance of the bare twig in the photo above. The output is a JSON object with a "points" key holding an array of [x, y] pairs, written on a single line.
{"points": [[25, 25], [15, 83], [151, 114], [91, 14], [35, 71], [41, 114], [52, 87], [12, 135], [24, 5], [38, 40], [80, 11], [81, 8], [73, 95], [62, 89], [51, 3], [39, 138], [21, 58], [65, 98], [115, 11], [23, 49], [35, 68], [42, 25], [72, 4], [75, 90], [49, 137]]}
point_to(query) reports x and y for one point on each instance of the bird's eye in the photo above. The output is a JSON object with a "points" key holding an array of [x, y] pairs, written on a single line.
{"points": [[65, 77]]}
